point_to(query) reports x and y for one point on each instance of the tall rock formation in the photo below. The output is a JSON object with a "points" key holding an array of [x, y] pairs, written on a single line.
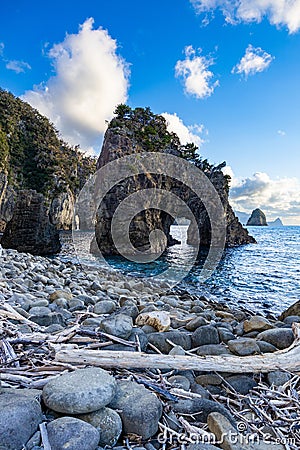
{"points": [[257, 219], [137, 131], [29, 229]]}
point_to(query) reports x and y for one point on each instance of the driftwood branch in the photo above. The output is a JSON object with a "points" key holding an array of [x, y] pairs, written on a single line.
{"points": [[288, 359], [44, 436]]}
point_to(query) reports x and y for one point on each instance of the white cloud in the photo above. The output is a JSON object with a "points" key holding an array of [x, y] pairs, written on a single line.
{"points": [[279, 12], [276, 197], [17, 66], [194, 70], [227, 170], [90, 80], [281, 133], [255, 60], [186, 134], [1, 48]]}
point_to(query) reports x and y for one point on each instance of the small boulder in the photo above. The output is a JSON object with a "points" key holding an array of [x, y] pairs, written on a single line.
{"points": [[119, 325], [177, 337], [202, 407], [278, 377], [279, 337], [129, 309], [223, 429], [266, 347], [39, 311], [180, 382], [72, 434], [177, 351], [243, 346], [212, 349], [79, 392], [291, 319], [60, 293], [225, 335], [241, 383], [293, 310], [108, 423], [257, 323], [104, 307], [212, 379], [196, 323], [19, 419], [140, 409], [204, 335], [47, 320]]}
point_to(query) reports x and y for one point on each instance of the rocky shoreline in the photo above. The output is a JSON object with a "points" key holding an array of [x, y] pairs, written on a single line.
{"points": [[47, 305]]}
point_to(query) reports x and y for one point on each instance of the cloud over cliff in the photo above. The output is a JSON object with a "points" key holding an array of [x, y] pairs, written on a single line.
{"points": [[90, 79], [186, 133]]}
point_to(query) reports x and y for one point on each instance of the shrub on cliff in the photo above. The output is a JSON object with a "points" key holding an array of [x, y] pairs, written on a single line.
{"points": [[150, 130], [32, 153]]}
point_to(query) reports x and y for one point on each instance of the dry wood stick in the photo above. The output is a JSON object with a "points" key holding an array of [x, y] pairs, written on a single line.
{"points": [[288, 359], [44, 436]]}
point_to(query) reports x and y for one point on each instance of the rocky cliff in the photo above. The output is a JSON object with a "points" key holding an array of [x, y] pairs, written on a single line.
{"points": [[29, 229], [137, 131], [32, 156], [257, 219]]}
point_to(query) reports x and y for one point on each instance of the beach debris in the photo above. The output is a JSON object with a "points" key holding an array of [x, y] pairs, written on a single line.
{"points": [[160, 320]]}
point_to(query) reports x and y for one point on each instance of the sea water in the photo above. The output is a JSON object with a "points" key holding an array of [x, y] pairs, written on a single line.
{"points": [[264, 277]]}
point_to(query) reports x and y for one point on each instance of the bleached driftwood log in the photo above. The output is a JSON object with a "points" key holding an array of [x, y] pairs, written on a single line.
{"points": [[288, 359]]}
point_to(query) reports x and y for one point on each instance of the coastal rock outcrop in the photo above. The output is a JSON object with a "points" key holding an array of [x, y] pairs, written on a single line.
{"points": [[276, 223], [138, 131], [29, 229], [257, 219]]}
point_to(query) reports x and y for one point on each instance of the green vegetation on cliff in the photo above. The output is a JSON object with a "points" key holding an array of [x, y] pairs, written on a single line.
{"points": [[33, 155], [150, 130]]}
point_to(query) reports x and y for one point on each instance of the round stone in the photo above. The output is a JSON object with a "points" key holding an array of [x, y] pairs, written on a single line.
{"points": [[104, 307], [72, 434], [108, 423], [79, 392], [19, 419], [140, 409]]}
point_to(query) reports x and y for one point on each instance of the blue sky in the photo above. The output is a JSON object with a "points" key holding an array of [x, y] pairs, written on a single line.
{"points": [[230, 71]]}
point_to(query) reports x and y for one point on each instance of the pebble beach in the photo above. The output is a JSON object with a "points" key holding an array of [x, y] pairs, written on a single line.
{"points": [[48, 305]]}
